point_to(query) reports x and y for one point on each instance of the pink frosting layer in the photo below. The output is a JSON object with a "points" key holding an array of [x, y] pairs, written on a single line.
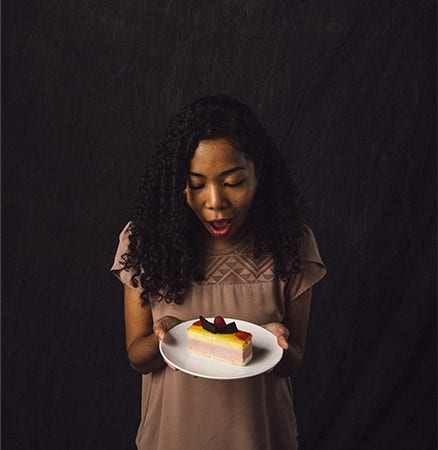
{"points": [[226, 354]]}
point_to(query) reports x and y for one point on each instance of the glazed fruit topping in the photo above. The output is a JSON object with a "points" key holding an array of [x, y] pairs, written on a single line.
{"points": [[243, 335]]}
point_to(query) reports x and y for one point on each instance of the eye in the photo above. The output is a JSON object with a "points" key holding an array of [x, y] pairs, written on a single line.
{"points": [[234, 184], [195, 187]]}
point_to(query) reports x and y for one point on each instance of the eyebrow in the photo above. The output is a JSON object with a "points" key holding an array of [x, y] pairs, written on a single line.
{"points": [[224, 173]]}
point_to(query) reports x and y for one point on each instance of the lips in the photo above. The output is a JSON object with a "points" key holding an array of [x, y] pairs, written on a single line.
{"points": [[219, 224], [219, 228]]}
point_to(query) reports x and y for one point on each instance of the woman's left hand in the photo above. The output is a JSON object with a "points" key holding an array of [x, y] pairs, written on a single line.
{"points": [[280, 331]]}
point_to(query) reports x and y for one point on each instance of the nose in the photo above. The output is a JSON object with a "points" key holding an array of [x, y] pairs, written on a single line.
{"points": [[215, 198]]}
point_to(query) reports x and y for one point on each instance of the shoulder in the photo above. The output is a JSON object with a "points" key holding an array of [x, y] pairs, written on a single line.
{"points": [[312, 267], [308, 249], [118, 268], [125, 233]]}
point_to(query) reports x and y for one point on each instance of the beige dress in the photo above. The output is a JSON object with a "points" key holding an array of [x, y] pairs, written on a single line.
{"points": [[181, 412]]}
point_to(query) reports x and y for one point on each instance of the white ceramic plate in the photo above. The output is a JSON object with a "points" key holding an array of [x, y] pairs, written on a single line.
{"points": [[266, 353]]}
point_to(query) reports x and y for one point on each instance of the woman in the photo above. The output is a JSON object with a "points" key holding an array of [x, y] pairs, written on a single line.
{"points": [[217, 229]]}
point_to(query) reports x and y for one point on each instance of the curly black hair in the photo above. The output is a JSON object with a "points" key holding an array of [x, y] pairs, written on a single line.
{"points": [[162, 255]]}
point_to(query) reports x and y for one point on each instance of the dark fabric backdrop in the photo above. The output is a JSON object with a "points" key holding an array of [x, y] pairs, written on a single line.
{"points": [[346, 88]]}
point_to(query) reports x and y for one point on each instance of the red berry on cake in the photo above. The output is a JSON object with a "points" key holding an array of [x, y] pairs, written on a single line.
{"points": [[219, 322]]}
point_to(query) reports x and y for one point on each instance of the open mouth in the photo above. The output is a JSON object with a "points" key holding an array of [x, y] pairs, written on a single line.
{"points": [[220, 228]]}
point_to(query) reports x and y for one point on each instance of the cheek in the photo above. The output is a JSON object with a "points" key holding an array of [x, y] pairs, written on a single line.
{"points": [[245, 201]]}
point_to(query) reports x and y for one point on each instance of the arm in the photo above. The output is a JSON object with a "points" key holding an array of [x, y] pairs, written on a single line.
{"points": [[143, 335], [291, 334], [141, 341]]}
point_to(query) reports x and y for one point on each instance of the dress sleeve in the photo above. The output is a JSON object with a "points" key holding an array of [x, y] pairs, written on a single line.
{"points": [[312, 268], [117, 268]]}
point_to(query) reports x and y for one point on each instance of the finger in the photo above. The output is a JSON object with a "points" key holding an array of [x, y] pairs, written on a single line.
{"points": [[172, 367], [159, 330], [285, 332], [163, 325], [282, 342]]}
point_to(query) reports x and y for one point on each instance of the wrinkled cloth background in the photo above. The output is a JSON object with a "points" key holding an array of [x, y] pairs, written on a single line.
{"points": [[347, 90]]}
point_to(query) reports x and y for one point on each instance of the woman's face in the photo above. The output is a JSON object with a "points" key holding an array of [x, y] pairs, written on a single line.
{"points": [[220, 190]]}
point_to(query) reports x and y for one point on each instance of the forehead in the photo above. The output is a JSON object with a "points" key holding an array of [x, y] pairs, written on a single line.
{"points": [[217, 155]]}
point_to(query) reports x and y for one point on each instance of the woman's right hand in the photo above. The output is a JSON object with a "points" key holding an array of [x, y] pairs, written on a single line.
{"points": [[162, 326]]}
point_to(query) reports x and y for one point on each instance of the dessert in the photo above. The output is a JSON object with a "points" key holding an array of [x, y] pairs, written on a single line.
{"points": [[219, 340]]}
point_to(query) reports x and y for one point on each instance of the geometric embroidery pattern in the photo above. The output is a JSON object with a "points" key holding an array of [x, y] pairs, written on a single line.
{"points": [[238, 267]]}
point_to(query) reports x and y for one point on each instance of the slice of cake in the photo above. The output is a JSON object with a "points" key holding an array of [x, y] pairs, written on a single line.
{"points": [[221, 341]]}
